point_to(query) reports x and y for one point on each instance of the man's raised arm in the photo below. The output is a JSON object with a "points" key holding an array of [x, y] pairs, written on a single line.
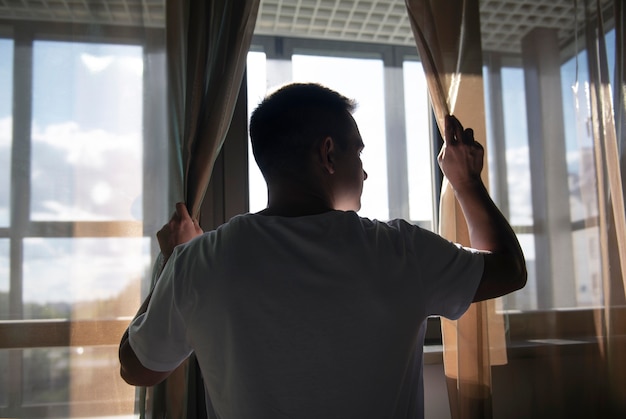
{"points": [[461, 160]]}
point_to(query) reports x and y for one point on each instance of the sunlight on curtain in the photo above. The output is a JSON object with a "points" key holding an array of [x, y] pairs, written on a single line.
{"points": [[447, 35], [562, 190]]}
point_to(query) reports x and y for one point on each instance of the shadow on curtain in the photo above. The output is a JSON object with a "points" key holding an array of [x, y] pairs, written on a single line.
{"points": [[207, 46]]}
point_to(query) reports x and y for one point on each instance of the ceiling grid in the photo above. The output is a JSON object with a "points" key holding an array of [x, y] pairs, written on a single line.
{"points": [[503, 22]]}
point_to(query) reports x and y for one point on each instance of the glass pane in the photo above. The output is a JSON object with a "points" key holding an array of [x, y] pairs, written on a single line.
{"points": [[419, 152], [517, 157], [348, 76], [257, 87], [6, 126], [588, 268], [84, 278], [46, 375], [578, 138], [71, 379], [86, 132]]}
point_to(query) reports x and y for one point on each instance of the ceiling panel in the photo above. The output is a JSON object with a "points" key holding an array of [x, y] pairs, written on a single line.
{"points": [[503, 22]]}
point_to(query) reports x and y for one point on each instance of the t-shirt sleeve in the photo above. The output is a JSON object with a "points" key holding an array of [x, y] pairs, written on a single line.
{"points": [[450, 274], [454, 287], [158, 336]]}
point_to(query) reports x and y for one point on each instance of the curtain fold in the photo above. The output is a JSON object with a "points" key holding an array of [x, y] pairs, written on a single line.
{"points": [[619, 88], [207, 46], [447, 34]]}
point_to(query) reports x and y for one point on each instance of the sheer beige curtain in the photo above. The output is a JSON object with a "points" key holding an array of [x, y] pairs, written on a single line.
{"points": [[447, 34], [564, 353], [207, 46]]}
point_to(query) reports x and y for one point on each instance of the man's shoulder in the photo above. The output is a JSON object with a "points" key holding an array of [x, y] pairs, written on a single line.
{"points": [[338, 222]]}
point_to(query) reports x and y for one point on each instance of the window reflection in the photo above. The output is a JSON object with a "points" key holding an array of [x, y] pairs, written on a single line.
{"points": [[86, 132]]}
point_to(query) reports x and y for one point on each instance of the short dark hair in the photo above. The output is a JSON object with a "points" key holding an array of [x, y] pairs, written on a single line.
{"points": [[289, 122]]}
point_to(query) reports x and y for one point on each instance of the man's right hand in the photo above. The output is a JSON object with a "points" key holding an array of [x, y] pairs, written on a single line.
{"points": [[461, 157], [180, 229]]}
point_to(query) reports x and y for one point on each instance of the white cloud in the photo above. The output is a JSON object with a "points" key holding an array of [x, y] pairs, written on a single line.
{"points": [[86, 147], [96, 64]]}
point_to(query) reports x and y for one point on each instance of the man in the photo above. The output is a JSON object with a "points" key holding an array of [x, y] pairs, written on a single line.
{"points": [[306, 310]]}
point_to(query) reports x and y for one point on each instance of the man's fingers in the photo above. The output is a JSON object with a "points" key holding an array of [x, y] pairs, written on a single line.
{"points": [[181, 211], [454, 130], [446, 129]]}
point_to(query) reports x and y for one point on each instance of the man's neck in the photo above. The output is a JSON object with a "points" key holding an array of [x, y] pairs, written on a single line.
{"points": [[295, 200], [295, 210]]}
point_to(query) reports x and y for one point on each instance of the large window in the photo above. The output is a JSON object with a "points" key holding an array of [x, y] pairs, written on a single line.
{"points": [[566, 272], [86, 132], [73, 254]]}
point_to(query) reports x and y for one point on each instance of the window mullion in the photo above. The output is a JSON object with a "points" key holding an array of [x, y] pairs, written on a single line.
{"points": [[20, 164], [497, 146], [20, 192], [395, 127]]}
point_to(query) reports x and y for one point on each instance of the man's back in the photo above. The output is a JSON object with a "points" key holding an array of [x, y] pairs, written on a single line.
{"points": [[306, 310], [317, 316]]}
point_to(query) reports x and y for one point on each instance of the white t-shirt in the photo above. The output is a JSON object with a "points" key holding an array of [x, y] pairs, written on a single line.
{"points": [[306, 317]]}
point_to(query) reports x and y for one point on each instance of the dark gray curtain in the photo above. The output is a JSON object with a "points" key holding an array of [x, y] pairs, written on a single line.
{"points": [[207, 46]]}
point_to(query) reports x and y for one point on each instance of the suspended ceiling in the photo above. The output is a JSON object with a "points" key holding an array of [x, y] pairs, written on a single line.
{"points": [[503, 22]]}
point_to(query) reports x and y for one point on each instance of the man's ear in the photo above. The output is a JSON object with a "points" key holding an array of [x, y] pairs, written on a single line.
{"points": [[327, 154]]}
